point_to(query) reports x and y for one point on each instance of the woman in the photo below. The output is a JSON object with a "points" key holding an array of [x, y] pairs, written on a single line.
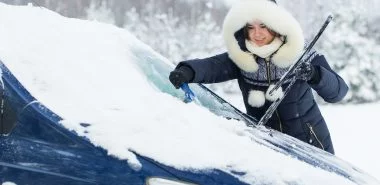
{"points": [[263, 41]]}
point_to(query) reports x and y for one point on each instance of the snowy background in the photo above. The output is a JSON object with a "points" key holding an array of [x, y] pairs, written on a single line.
{"points": [[351, 46], [185, 29]]}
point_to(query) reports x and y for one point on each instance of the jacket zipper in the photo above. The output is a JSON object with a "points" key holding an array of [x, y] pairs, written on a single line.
{"points": [[267, 64], [315, 135]]}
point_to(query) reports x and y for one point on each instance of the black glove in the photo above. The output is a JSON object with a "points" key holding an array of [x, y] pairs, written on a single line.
{"points": [[182, 74], [308, 72]]}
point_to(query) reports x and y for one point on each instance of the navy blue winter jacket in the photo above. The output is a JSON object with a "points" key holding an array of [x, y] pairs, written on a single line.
{"points": [[298, 114]]}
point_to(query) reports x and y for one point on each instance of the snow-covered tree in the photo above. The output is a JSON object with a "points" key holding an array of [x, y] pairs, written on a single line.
{"points": [[100, 12], [354, 55], [175, 38]]}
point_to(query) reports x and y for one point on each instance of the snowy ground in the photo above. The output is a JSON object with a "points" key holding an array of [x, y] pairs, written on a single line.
{"points": [[85, 71], [354, 130]]}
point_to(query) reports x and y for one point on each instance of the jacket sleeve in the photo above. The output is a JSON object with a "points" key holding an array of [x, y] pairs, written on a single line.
{"points": [[218, 68], [331, 86]]}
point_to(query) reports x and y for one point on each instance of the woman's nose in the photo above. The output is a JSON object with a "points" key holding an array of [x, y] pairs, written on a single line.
{"points": [[258, 32]]}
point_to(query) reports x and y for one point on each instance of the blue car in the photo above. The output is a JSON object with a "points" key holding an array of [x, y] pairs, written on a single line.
{"points": [[37, 149]]}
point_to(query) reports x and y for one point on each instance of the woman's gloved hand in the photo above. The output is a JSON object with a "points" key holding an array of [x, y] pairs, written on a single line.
{"points": [[308, 72], [180, 75]]}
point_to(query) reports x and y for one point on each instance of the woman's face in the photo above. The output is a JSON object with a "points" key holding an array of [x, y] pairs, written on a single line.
{"points": [[259, 34]]}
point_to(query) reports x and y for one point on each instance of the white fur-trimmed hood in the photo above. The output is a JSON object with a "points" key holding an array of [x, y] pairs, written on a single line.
{"points": [[275, 18]]}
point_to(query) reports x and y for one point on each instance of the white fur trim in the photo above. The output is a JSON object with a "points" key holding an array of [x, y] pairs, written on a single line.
{"points": [[263, 51], [256, 98], [275, 95], [275, 18], [243, 60]]}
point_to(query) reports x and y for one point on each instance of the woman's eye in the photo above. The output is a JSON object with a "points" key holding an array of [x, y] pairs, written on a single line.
{"points": [[249, 27], [262, 26]]}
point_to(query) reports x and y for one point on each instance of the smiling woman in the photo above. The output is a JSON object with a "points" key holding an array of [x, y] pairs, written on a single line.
{"points": [[263, 41], [257, 33]]}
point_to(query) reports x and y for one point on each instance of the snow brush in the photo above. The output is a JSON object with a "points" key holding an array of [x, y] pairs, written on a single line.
{"points": [[189, 94]]}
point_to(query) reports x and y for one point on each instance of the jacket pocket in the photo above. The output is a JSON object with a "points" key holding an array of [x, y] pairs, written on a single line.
{"points": [[313, 138]]}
